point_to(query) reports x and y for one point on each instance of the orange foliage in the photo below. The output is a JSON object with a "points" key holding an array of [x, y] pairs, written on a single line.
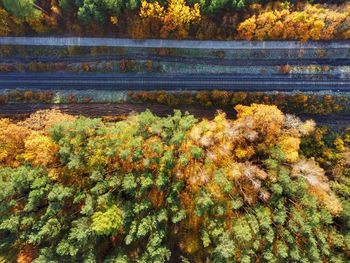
{"points": [[19, 141], [27, 254], [156, 197]]}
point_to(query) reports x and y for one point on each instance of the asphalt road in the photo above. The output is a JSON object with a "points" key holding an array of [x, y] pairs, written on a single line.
{"points": [[67, 81], [169, 43]]}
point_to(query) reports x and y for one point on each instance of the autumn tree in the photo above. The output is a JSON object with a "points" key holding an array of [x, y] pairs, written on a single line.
{"points": [[4, 23], [175, 19], [312, 22], [211, 19]]}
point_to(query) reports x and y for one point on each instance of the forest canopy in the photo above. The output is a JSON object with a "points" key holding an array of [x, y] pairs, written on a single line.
{"points": [[153, 189], [181, 19]]}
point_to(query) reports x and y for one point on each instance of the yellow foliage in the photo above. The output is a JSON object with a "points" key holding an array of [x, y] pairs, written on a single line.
{"points": [[151, 10], [290, 146], [266, 119], [247, 28], [314, 22], [244, 152], [54, 174], [114, 20], [12, 139], [340, 145], [40, 150], [45, 119], [175, 19]]}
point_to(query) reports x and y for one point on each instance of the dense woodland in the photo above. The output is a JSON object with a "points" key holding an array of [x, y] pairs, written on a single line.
{"points": [[264, 187], [179, 19]]}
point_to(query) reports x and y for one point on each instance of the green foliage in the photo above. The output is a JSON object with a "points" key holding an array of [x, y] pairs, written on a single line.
{"points": [[21, 8], [204, 203], [214, 6], [108, 222], [90, 12], [98, 10]]}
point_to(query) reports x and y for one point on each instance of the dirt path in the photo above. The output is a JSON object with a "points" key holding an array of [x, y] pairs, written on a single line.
{"points": [[22, 110]]}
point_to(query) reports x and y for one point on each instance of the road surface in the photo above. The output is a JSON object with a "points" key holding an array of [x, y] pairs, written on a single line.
{"points": [[83, 81], [165, 43]]}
